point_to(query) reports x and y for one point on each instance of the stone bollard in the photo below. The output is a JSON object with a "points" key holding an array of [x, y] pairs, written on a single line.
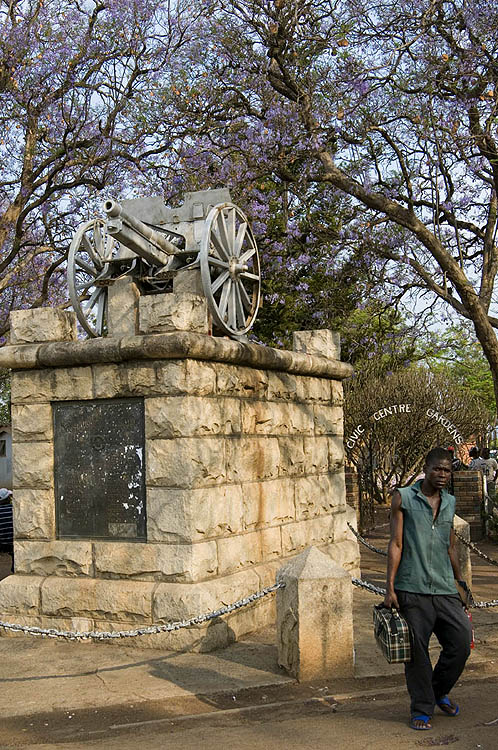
{"points": [[463, 528], [315, 617]]}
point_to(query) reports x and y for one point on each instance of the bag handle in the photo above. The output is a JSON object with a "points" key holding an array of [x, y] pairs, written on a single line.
{"points": [[394, 627], [394, 615]]}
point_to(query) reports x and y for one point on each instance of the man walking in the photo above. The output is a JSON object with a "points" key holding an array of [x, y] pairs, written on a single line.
{"points": [[421, 571]]}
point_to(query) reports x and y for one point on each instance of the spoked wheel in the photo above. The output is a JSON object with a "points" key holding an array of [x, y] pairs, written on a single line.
{"points": [[230, 270], [87, 275]]}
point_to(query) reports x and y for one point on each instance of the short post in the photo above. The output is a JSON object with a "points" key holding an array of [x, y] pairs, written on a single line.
{"points": [[463, 528], [315, 617]]}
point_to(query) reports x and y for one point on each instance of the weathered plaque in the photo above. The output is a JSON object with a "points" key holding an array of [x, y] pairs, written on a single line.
{"points": [[99, 469]]}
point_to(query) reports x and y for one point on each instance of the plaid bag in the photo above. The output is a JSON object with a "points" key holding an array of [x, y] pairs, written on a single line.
{"points": [[392, 634]]}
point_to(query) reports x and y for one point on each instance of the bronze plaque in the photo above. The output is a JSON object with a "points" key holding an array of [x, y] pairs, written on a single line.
{"points": [[100, 469]]}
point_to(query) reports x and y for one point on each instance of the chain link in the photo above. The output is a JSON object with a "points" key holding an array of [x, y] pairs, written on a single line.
{"points": [[368, 586], [152, 630], [486, 605], [367, 544], [198, 620], [377, 590], [468, 544], [475, 549]]}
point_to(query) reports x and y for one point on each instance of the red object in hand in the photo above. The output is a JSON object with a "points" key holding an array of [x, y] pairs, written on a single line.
{"points": [[469, 615]]}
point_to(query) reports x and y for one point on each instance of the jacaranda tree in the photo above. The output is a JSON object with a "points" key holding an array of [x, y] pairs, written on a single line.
{"points": [[71, 75], [389, 108], [360, 138]]}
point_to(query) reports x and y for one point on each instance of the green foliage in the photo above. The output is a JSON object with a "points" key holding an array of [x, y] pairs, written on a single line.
{"points": [[459, 356], [304, 299], [377, 340], [310, 281]]}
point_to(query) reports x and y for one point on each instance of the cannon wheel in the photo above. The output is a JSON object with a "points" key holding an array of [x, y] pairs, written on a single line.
{"points": [[230, 269], [87, 264]]}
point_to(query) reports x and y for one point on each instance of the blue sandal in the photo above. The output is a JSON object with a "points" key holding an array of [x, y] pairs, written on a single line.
{"points": [[447, 707], [420, 717]]}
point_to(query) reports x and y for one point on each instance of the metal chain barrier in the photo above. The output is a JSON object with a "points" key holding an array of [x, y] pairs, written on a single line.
{"points": [[377, 590], [485, 605], [368, 586], [173, 626], [367, 544], [475, 549], [152, 630], [468, 544]]}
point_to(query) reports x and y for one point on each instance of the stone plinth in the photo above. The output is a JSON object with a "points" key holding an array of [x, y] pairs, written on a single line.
{"points": [[243, 469], [315, 618]]}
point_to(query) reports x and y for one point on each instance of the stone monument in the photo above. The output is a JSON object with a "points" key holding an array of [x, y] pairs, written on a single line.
{"points": [[162, 472]]}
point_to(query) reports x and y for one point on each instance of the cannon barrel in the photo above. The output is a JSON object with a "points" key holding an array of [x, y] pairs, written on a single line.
{"points": [[142, 239]]}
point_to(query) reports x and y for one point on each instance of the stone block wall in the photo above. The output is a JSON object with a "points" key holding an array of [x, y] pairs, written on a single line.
{"points": [[468, 488], [244, 468], [352, 490]]}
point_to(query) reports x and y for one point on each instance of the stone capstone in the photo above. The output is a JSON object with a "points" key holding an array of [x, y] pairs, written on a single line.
{"points": [[175, 345], [322, 342], [42, 324]]}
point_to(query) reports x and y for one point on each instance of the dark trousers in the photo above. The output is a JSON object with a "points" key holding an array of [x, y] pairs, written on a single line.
{"points": [[446, 618]]}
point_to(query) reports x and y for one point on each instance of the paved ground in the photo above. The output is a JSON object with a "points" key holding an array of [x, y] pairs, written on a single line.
{"points": [[76, 695]]}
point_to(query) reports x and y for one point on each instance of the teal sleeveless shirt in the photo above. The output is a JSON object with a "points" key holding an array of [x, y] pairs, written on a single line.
{"points": [[425, 566]]}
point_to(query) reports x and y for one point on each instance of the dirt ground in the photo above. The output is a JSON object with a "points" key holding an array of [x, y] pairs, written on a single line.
{"points": [[364, 713]]}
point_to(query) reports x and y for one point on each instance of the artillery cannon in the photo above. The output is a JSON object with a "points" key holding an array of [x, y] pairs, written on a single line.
{"points": [[151, 242]]}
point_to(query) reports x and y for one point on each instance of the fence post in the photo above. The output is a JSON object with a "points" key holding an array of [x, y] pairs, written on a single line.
{"points": [[315, 617], [463, 528]]}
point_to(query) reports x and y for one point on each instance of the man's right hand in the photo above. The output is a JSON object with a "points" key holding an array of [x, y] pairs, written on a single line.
{"points": [[391, 600]]}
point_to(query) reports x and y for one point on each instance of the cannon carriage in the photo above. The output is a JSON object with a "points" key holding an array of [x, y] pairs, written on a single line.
{"points": [[150, 242]]}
